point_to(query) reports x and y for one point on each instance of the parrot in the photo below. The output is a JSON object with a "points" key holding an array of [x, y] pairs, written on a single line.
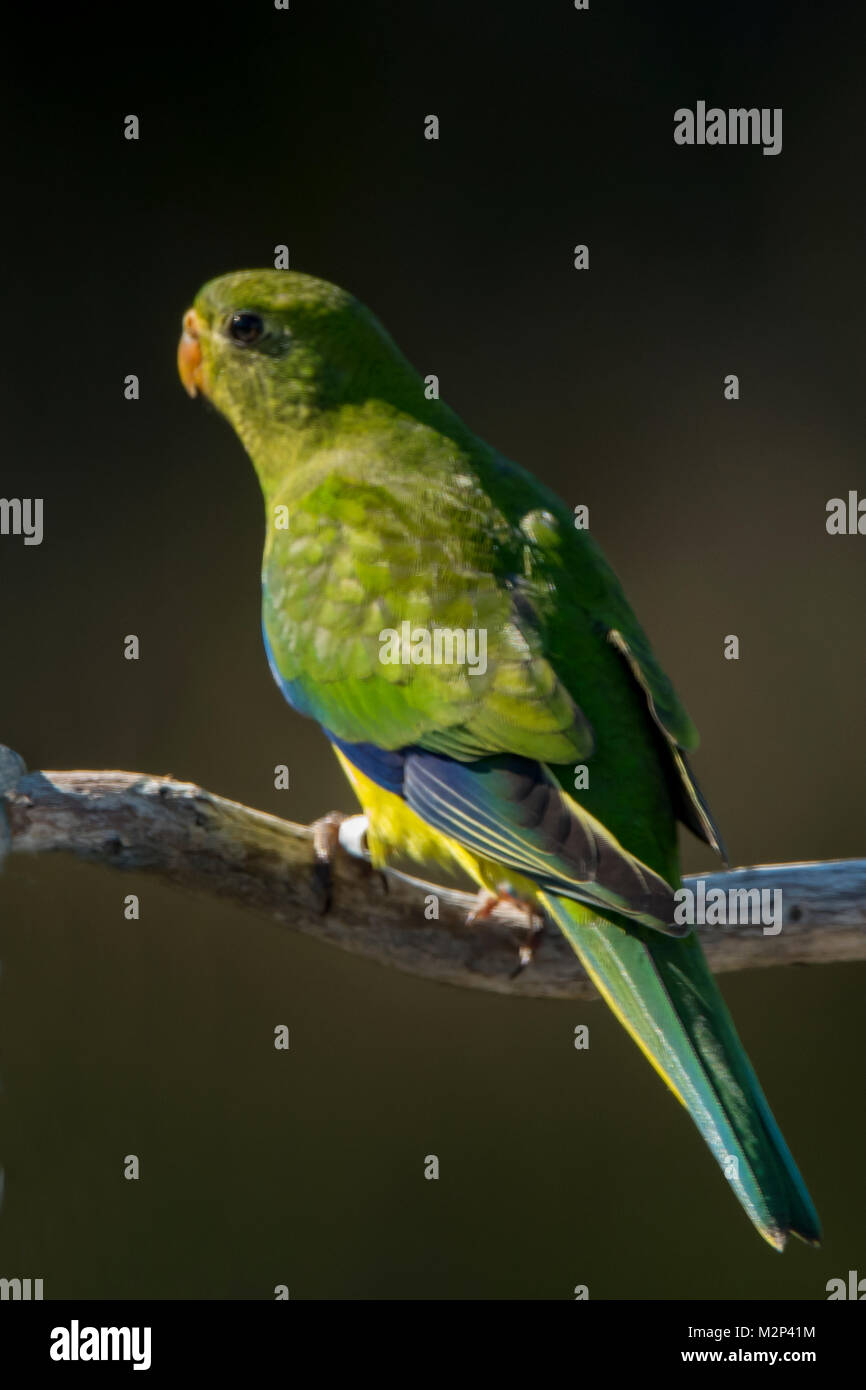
{"points": [[389, 523]]}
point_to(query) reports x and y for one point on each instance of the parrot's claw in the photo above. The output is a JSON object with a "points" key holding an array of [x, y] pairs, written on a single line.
{"points": [[331, 833], [526, 950], [326, 838], [487, 903]]}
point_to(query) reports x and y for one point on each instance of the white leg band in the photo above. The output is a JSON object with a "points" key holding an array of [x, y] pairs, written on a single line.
{"points": [[353, 836]]}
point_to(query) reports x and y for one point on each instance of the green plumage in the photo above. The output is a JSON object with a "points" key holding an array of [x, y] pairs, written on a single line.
{"points": [[396, 512]]}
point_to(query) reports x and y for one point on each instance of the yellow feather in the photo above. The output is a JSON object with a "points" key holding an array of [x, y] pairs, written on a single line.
{"points": [[395, 829]]}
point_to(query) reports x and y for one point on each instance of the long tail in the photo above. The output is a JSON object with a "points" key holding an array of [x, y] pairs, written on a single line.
{"points": [[662, 991]]}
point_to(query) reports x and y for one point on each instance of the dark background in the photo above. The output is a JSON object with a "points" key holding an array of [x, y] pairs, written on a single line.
{"points": [[155, 1037]]}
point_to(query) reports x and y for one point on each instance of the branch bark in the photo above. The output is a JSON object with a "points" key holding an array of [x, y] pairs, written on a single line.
{"points": [[202, 842]]}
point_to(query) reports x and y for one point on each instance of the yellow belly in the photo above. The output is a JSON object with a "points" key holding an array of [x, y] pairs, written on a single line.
{"points": [[395, 829]]}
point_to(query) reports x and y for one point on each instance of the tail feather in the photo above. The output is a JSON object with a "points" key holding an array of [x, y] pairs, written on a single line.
{"points": [[663, 993]]}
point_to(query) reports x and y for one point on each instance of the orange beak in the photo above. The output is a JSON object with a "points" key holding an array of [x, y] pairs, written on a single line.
{"points": [[189, 353]]}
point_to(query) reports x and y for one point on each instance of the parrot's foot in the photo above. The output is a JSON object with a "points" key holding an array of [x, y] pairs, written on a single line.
{"points": [[487, 903], [334, 832]]}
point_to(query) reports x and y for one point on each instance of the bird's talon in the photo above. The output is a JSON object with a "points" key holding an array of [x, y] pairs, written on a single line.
{"points": [[331, 833], [526, 949], [524, 958], [487, 903], [326, 838]]}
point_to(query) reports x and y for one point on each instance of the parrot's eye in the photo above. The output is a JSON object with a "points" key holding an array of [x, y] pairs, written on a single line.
{"points": [[245, 327]]}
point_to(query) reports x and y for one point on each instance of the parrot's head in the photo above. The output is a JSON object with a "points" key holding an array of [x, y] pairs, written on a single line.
{"points": [[279, 353]]}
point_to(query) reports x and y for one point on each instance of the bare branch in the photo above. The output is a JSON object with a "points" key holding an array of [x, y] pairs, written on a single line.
{"points": [[202, 842]]}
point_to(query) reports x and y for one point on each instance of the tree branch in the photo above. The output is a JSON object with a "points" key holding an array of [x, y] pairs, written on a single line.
{"points": [[187, 836]]}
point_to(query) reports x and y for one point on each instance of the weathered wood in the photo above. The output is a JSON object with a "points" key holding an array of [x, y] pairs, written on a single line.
{"points": [[199, 841]]}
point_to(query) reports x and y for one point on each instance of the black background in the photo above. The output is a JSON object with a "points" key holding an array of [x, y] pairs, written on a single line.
{"points": [[155, 1038]]}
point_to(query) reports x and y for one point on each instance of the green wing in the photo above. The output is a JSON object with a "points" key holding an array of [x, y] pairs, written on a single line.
{"points": [[359, 559]]}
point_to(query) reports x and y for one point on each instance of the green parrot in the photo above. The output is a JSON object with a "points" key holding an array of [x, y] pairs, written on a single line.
{"points": [[465, 649]]}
